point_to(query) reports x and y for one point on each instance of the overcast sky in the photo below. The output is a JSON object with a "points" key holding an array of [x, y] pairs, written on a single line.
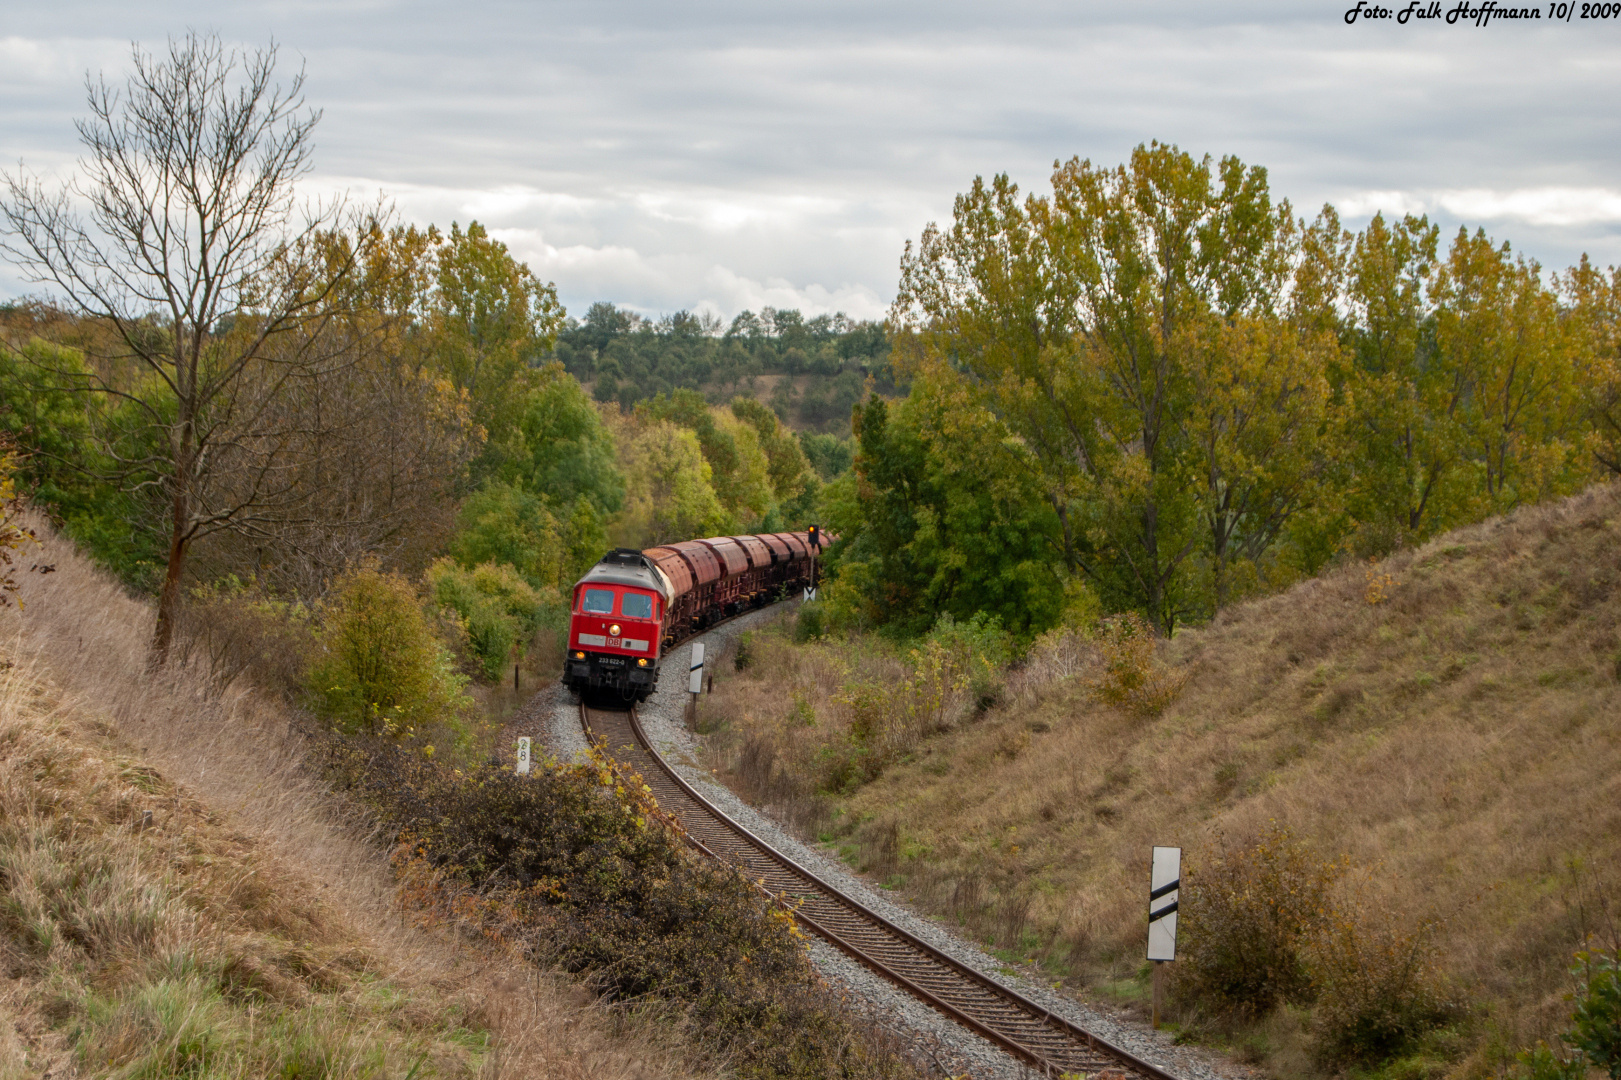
{"points": [[720, 156]]}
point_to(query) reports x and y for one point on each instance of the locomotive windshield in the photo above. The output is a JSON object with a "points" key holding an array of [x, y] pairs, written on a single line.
{"points": [[636, 606], [598, 602]]}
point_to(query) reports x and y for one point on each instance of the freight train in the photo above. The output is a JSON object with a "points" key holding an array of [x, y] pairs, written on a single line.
{"points": [[633, 606]]}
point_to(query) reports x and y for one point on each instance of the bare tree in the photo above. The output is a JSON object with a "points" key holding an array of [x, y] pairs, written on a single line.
{"points": [[381, 449], [183, 233]]}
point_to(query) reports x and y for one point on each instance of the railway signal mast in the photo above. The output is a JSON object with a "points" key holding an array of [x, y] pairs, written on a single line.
{"points": [[813, 540]]}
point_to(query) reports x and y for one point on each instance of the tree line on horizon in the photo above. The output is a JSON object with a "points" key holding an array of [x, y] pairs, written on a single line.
{"points": [[627, 358]]}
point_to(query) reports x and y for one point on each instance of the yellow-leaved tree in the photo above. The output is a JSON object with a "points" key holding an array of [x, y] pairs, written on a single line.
{"points": [[1512, 360], [383, 672], [1257, 422], [1593, 298], [668, 493]]}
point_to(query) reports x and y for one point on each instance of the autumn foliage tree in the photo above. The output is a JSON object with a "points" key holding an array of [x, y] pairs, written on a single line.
{"points": [[1214, 396], [196, 254], [1085, 320]]}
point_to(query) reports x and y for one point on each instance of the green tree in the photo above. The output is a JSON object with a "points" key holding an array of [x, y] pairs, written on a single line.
{"points": [[1405, 403], [65, 469], [1500, 335], [944, 518], [787, 463], [563, 451], [1258, 425], [488, 323], [384, 672], [505, 524], [1072, 315], [829, 455], [1593, 300], [739, 470], [668, 495]]}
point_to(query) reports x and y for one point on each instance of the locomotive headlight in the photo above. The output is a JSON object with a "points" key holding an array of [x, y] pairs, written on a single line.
{"points": [[642, 662], [613, 630], [579, 656]]}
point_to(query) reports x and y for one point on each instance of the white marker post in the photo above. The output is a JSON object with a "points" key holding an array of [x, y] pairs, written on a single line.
{"points": [[523, 756], [695, 678], [1164, 887]]}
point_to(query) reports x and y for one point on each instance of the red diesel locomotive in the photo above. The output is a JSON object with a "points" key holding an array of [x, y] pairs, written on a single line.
{"points": [[634, 605]]}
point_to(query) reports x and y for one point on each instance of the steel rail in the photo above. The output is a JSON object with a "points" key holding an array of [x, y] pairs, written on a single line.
{"points": [[1011, 1021]]}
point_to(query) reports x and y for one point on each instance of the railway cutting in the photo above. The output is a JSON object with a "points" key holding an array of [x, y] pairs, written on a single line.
{"points": [[1050, 1044]]}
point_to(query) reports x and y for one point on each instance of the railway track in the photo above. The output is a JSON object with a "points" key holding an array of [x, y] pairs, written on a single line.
{"points": [[1031, 1033]]}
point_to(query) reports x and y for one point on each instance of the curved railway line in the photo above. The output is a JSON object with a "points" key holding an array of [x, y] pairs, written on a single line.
{"points": [[1024, 1029]]}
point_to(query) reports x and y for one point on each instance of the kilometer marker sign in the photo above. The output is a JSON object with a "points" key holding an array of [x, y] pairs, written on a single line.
{"points": [[1164, 886]]}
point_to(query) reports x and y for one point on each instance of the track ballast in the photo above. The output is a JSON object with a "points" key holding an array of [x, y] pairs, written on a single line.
{"points": [[1014, 1023]]}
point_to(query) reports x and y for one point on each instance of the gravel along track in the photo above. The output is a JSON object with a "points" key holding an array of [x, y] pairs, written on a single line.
{"points": [[1021, 1027], [951, 1047]]}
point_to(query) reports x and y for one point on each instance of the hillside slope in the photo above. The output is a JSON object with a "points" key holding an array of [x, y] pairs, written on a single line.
{"points": [[1449, 720], [176, 897]]}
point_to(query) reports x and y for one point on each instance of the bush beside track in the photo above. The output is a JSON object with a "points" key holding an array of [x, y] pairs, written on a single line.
{"points": [[588, 875]]}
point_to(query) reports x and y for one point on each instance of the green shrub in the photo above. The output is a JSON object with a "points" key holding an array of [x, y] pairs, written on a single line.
{"points": [[745, 651], [381, 669], [1542, 1063], [811, 624], [1594, 1037], [1596, 1030], [1250, 916], [954, 659], [497, 608]]}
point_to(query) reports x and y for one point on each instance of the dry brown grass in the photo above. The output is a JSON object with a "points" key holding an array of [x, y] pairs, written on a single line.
{"points": [[244, 868], [1448, 719], [782, 731]]}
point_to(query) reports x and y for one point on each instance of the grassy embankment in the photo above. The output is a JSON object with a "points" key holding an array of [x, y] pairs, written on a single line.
{"points": [[1445, 719], [178, 898]]}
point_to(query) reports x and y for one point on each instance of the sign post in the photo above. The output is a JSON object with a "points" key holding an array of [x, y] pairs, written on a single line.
{"points": [[1164, 888], [695, 680], [523, 756], [814, 537]]}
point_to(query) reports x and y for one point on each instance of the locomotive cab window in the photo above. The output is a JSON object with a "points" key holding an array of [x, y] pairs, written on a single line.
{"points": [[636, 606], [598, 602]]}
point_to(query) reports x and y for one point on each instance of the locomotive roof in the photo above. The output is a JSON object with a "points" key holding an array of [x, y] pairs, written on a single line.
{"points": [[625, 566]]}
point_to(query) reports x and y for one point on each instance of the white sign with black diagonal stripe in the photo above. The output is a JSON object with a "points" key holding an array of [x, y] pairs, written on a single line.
{"points": [[1164, 886], [695, 681]]}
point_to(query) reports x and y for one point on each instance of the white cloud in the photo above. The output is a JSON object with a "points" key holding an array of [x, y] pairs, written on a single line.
{"points": [[663, 250], [1538, 206], [1543, 206], [735, 155], [1393, 204]]}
